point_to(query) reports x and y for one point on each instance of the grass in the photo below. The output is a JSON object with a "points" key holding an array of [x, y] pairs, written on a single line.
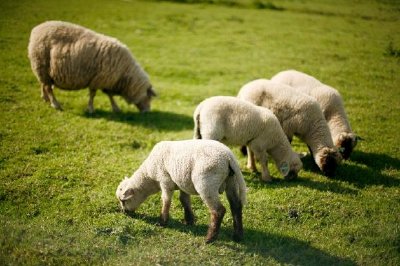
{"points": [[59, 170]]}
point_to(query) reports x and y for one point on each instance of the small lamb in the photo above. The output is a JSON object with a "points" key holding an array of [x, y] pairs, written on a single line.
{"points": [[195, 167], [331, 104], [236, 122], [72, 57], [300, 115]]}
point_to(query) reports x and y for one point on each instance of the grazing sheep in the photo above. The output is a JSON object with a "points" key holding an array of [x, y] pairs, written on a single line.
{"points": [[195, 167], [331, 104], [236, 122], [300, 115], [72, 57]]}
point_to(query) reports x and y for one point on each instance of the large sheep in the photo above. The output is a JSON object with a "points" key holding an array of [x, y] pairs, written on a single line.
{"points": [[300, 115], [331, 103], [72, 57], [236, 122], [203, 167]]}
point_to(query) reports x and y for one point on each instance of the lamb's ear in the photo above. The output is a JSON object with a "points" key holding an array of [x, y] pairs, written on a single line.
{"points": [[151, 92], [128, 194], [284, 168]]}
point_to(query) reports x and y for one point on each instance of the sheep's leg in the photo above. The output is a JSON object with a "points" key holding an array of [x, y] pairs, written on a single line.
{"points": [[44, 95], [236, 209], [90, 108], [166, 196], [114, 105], [187, 206], [217, 210], [251, 163], [49, 92], [263, 159]]}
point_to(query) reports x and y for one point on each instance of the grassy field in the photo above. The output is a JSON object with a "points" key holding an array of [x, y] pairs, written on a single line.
{"points": [[59, 170]]}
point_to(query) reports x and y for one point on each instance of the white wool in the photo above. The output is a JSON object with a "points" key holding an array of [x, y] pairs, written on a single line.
{"points": [[236, 122], [299, 114], [330, 101]]}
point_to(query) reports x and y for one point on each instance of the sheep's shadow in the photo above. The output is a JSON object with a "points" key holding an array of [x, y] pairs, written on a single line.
{"points": [[369, 169], [254, 182], [160, 120], [284, 249]]}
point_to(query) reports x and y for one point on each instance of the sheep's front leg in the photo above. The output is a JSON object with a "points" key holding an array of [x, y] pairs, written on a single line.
{"points": [[263, 159], [114, 105], [187, 207], [48, 91], [251, 163], [90, 108], [166, 196]]}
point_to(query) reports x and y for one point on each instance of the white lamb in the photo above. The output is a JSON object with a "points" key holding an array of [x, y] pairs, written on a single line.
{"points": [[236, 122], [300, 115], [72, 57], [331, 103], [203, 167]]}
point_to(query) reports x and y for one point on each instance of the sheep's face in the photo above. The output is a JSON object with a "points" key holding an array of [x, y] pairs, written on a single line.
{"points": [[144, 100], [128, 197], [290, 171], [327, 160], [346, 143]]}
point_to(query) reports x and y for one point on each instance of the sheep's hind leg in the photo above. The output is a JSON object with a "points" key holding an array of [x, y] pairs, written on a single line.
{"points": [[217, 211], [187, 206], [251, 163], [44, 95], [48, 90], [236, 209]]}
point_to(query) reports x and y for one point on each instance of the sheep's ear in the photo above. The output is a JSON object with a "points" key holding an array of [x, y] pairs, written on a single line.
{"points": [[284, 168], [151, 92], [128, 194]]}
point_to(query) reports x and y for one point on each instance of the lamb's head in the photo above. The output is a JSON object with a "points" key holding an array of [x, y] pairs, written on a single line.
{"points": [[346, 142], [129, 197], [290, 170], [327, 160]]}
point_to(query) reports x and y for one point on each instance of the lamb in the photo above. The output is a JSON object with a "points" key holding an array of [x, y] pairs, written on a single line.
{"points": [[72, 57], [331, 103], [195, 167], [300, 115], [236, 122]]}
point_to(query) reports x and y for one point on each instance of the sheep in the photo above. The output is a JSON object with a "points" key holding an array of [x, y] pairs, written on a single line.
{"points": [[332, 106], [195, 167], [236, 122], [72, 57], [300, 115]]}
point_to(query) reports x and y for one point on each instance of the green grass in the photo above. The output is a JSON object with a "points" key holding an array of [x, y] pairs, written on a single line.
{"points": [[59, 170]]}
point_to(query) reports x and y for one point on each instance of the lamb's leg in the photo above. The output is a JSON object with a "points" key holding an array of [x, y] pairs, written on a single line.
{"points": [[210, 196], [251, 163], [90, 108], [236, 209], [263, 159], [114, 105], [44, 94], [49, 92], [166, 196], [187, 206]]}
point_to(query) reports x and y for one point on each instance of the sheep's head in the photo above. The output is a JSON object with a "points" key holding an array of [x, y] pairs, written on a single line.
{"points": [[327, 160], [346, 142], [129, 197], [143, 102], [291, 170]]}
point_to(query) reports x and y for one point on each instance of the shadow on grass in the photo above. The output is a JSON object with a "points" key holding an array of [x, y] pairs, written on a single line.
{"points": [[284, 249], [161, 120], [370, 170]]}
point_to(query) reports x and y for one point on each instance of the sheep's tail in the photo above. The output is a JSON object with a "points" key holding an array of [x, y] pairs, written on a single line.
{"points": [[235, 181], [197, 134]]}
